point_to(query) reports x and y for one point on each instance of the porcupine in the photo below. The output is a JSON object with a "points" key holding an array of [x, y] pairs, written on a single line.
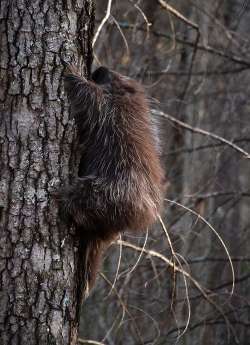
{"points": [[120, 182]]}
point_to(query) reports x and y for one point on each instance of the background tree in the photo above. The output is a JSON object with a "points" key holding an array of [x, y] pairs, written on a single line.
{"points": [[40, 268], [193, 58]]}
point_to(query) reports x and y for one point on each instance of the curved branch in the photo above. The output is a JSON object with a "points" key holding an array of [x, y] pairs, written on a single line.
{"points": [[202, 132]]}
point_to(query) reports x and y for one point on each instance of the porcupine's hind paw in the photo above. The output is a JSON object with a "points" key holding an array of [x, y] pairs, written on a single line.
{"points": [[72, 201]]}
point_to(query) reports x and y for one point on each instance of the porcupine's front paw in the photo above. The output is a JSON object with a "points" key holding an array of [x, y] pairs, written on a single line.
{"points": [[64, 199]]}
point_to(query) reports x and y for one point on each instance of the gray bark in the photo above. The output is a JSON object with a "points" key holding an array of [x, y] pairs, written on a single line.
{"points": [[40, 268]]}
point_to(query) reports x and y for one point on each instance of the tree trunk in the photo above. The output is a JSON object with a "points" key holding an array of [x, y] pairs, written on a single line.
{"points": [[40, 266]]}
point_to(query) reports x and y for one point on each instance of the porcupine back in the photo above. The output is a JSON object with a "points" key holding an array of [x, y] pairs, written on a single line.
{"points": [[120, 184]]}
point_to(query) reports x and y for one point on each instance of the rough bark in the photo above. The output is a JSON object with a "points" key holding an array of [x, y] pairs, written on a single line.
{"points": [[40, 268]]}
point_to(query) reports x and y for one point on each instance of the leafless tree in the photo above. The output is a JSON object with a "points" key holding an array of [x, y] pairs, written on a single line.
{"points": [[40, 274]]}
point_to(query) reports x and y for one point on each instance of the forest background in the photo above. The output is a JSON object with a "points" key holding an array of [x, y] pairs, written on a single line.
{"points": [[193, 57]]}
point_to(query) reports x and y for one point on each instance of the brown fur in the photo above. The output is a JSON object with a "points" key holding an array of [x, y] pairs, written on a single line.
{"points": [[120, 183]]}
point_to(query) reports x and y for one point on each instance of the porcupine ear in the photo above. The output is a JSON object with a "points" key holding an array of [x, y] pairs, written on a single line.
{"points": [[102, 75]]}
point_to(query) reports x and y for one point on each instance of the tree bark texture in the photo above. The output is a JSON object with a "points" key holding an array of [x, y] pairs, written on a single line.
{"points": [[40, 279]]}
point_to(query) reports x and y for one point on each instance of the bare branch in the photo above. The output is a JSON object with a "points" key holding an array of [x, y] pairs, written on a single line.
{"points": [[104, 20], [202, 132], [179, 270], [208, 259], [177, 14], [180, 16], [214, 231], [203, 147], [203, 47], [218, 194], [216, 72], [123, 304], [92, 342]]}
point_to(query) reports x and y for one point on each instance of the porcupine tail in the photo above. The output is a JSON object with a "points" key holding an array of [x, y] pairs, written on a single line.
{"points": [[92, 250]]}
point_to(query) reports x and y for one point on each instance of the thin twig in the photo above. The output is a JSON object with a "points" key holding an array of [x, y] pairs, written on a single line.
{"points": [[173, 254], [217, 194], [216, 72], [187, 298], [214, 231], [144, 17], [202, 132], [140, 255], [177, 14], [121, 301], [92, 342], [117, 269], [122, 34], [183, 272], [203, 47], [193, 25], [209, 259], [203, 147], [154, 322], [105, 18]]}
